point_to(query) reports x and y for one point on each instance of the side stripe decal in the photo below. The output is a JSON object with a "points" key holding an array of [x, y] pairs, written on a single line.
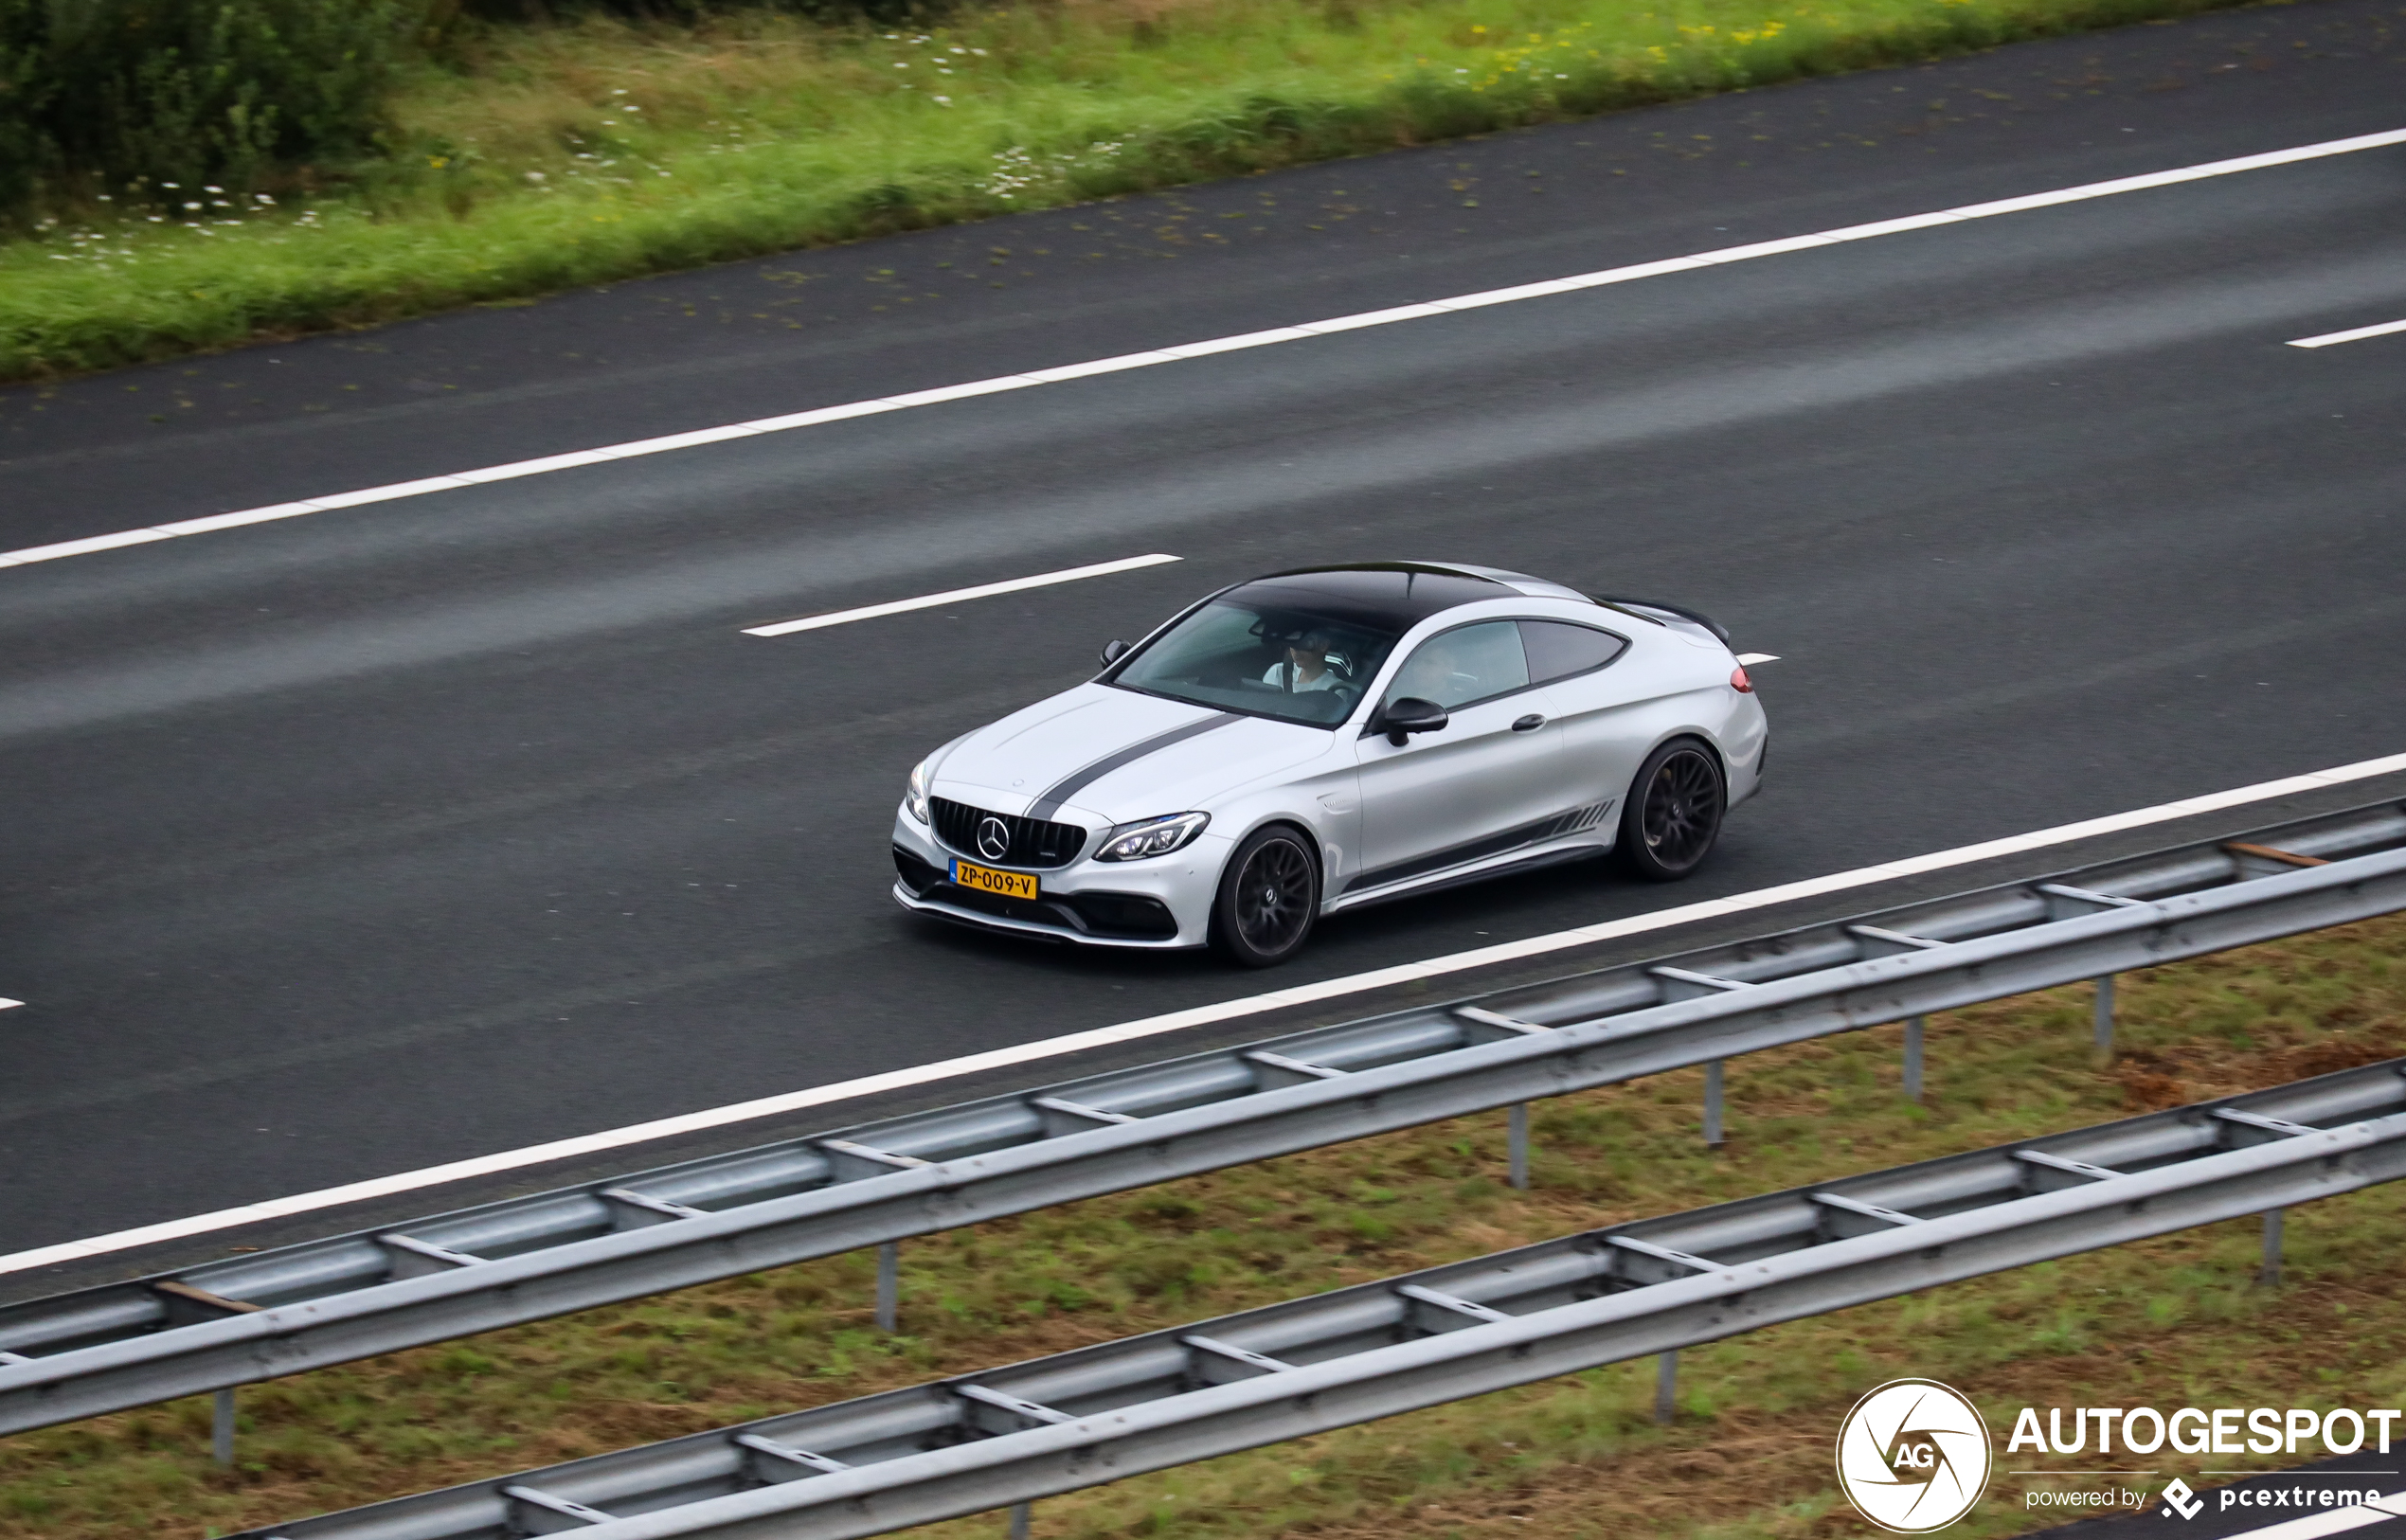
{"points": [[1561, 824], [1078, 781]]}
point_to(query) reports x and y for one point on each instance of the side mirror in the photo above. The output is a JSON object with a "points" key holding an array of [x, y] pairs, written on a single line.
{"points": [[1409, 714], [1113, 651]]}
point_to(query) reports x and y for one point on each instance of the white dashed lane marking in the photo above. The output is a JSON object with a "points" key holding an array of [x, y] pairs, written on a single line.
{"points": [[2332, 338], [954, 596]]}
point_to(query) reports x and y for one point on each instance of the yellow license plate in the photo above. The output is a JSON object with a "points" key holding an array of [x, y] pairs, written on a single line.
{"points": [[986, 879]]}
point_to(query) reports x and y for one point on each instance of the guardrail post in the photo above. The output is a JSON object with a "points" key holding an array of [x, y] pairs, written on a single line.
{"points": [[1913, 1058], [1519, 1125], [1713, 1104], [1666, 1387], [222, 1428], [888, 1285], [1022, 1515], [2104, 1014], [2269, 1274]]}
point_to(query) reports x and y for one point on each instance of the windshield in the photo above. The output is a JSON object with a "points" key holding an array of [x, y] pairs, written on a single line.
{"points": [[1278, 660]]}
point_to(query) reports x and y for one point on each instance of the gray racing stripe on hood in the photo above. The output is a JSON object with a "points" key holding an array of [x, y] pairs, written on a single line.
{"points": [[1078, 781]]}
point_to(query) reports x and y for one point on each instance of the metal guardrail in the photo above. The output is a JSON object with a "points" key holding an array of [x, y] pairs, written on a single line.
{"points": [[276, 1313], [1096, 1414]]}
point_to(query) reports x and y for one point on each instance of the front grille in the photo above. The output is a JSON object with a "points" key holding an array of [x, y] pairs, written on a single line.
{"points": [[1035, 842]]}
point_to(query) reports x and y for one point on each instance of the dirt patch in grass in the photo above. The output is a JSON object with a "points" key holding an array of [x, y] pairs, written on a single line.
{"points": [[2176, 1318]]}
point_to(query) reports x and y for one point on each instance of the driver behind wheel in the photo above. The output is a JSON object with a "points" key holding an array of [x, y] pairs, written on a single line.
{"points": [[1305, 666]]}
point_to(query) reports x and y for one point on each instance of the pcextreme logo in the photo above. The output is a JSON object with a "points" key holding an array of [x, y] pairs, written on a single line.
{"points": [[1913, 1456], [2181, 1499]]}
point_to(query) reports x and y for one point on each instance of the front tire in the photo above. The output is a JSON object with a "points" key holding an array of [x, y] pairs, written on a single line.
{"points": [[1672, 816], [1268, 898]]}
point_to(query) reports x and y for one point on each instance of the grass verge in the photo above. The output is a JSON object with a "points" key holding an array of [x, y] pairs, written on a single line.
{"points": [[546, 158], [2172, 1321]]}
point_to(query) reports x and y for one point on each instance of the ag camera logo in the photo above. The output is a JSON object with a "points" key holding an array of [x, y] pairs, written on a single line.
{"points": [[1913, 1456]]}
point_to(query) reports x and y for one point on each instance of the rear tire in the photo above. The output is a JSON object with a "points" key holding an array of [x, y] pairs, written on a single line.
{"points": [[1672, 816], [1268, 898]]}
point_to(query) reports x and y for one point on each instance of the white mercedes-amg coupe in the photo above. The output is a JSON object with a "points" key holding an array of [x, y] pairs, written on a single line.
{"points": [[1321, 739]]}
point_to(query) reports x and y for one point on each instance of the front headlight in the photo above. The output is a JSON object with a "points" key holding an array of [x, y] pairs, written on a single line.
{"points": [[915, 800], [1151, 836]]}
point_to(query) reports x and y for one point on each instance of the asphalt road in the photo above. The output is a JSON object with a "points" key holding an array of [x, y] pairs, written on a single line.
{"points": [[409, 832]]}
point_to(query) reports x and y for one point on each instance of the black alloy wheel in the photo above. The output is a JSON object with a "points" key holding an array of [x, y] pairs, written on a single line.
{"points": [[1673, 815], [1269, 895]]}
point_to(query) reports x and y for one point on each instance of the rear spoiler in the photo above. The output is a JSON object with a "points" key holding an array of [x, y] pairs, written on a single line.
{"points": [[1640, 606]]}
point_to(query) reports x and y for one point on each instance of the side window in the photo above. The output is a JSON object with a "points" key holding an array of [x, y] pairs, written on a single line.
{"points": [[1467, 664], [1558, 649]]}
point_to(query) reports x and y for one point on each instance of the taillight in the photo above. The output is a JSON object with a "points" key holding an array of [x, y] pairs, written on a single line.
{"points": [[1739, 682]]}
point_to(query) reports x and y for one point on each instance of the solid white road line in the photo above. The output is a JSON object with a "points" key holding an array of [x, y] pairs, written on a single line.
{"points": [[1221, 345], [952, 596], [10, 1004], [2328, 338], [1250, 1005], [1749, 659]]}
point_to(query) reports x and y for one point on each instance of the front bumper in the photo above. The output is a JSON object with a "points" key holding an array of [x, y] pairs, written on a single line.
{"points": [[1160, 904]]}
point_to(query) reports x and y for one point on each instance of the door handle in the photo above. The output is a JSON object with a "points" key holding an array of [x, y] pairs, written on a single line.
{"points": [[1529, 723]]}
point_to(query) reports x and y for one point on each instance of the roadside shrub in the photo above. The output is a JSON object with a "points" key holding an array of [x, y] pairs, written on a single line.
{"points": [[107, 94], [22, 96]]}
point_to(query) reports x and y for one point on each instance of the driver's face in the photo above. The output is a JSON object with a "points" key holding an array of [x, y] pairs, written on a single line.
{"points": [[1306, 658]]}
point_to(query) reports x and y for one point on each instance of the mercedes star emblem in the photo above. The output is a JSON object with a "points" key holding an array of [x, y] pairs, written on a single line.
{"points": [[993, 839]]}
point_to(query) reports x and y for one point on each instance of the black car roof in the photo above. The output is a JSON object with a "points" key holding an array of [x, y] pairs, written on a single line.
{"points": [[1392, 596]]}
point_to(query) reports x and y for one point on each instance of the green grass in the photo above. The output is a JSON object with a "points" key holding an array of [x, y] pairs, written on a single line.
{"points": [[546, 157], [2171, 1321]]}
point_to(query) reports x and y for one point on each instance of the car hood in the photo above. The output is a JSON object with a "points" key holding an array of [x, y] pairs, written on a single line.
{"points": [[1096, 754]]}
